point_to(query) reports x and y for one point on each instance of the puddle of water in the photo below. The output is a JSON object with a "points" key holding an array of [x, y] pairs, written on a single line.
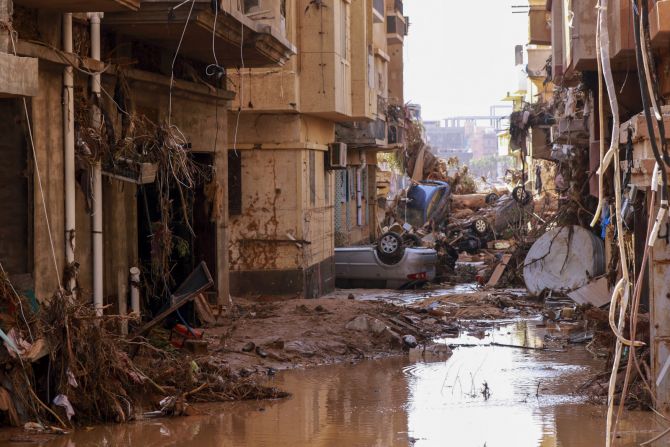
{"points": [[409, 296], [395, 402]]}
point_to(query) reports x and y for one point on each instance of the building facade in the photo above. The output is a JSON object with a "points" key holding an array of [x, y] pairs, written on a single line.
{"points": [[115, 113], [296, 197]]}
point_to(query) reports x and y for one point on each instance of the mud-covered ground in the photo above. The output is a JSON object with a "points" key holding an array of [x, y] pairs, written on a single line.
{"points": [[259, 337]]}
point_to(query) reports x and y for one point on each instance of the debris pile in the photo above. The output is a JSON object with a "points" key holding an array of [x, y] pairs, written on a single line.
{"points": [[63, 365]]}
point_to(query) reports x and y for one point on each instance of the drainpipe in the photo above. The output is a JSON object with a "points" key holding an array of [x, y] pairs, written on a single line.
{"points": [[135, 291], [359, 188], [68, 146], [96, 227]]}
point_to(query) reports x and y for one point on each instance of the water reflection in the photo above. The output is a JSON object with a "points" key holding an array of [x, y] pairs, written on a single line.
{"points": [[396, 402]]}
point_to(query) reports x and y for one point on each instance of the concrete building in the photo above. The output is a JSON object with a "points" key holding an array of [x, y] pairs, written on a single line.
{"points": [[77, 180], [296, 197]]}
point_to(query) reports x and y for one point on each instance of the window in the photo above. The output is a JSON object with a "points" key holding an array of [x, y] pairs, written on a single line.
{"points": [[234, 183]]}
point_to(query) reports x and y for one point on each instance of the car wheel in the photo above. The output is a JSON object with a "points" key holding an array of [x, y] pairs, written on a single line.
{"points": [[491, 198], [481, 226], [411, 240], [520, 195], [390, 248]]}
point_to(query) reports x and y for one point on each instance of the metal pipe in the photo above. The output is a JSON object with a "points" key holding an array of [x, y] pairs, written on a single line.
{"points": [[359, 188], [122, 289], [135, 291], [68, 148], [96, 229]]}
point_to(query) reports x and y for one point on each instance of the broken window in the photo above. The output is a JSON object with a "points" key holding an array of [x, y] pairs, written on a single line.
{"points": [[234, 183]]}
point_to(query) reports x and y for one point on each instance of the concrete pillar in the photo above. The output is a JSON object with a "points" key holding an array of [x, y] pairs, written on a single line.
{"points": [[6, 13], [222, 273]]}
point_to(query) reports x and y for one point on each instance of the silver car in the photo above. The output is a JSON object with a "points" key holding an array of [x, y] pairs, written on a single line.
{"points": [[363, 267]]}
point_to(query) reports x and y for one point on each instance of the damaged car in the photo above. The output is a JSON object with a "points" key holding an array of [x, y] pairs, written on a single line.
{"points": [[390, 263]]}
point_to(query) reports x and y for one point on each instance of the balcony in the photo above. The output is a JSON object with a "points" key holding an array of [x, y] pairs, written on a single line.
{"points": [[362, 134], [82, 5], [378, 11], [396, 29], [157, 21], [539, 26], [537, 62]]}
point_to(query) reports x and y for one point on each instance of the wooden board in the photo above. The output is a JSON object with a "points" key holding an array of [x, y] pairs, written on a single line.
{"points": [[499, 270]]}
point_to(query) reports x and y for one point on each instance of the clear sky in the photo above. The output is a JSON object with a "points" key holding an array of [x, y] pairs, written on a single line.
{"points": [[459, 55]]}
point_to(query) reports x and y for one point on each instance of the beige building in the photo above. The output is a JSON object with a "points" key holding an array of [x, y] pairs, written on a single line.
{"points": [[116, 90], [286, 174]]}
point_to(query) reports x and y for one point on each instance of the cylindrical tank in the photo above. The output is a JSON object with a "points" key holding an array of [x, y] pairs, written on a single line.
{"points": [[563, 259]]}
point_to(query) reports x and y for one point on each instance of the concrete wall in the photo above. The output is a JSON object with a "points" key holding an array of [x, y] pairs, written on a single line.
{"points": [[282, 243], [196, 118], [46, 111]]}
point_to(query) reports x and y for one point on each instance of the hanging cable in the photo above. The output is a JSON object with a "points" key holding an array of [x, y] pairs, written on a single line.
{"points": [[652, 79], [621, 293], [176, 53], [601, 138], [642, 75]]}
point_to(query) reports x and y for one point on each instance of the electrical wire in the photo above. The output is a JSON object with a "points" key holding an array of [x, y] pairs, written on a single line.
{"points": [[37, 171], [645, 88], [652, 79], [601, 138], [176, 53]]}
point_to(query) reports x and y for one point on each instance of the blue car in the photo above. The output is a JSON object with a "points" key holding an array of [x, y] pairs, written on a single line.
{"points": [[427, 201]]}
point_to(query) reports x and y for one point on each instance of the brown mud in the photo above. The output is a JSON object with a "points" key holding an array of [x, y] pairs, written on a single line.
{"points": [[485, 394]]}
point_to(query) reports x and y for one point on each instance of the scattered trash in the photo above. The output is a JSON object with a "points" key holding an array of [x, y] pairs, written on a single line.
{"points": [[409, 341], [62, 401]]}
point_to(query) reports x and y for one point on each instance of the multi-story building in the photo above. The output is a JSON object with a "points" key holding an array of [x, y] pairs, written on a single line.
{"points": [[99, 99], [573, 138], [294, 193]]}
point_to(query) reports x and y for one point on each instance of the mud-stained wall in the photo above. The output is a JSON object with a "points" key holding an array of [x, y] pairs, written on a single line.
{"points": [[271, 190], [279, 131], [47, 125], [195, 115], [317, 203]]}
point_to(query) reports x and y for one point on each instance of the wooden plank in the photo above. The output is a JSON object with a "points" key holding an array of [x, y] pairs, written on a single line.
{"points": [[163, 315], [499, 270]]}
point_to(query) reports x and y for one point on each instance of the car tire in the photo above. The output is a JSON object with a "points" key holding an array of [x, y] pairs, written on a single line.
{"points": [[521, 196], [411, 240], [480, 226], [390, 248], [491, 198]]}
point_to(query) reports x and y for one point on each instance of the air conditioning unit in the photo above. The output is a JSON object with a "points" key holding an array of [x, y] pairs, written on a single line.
{"points": [[337, 156]]}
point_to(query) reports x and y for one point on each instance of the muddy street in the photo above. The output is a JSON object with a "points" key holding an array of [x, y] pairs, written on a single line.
{"points": [[481, 395], [361, 223]]}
